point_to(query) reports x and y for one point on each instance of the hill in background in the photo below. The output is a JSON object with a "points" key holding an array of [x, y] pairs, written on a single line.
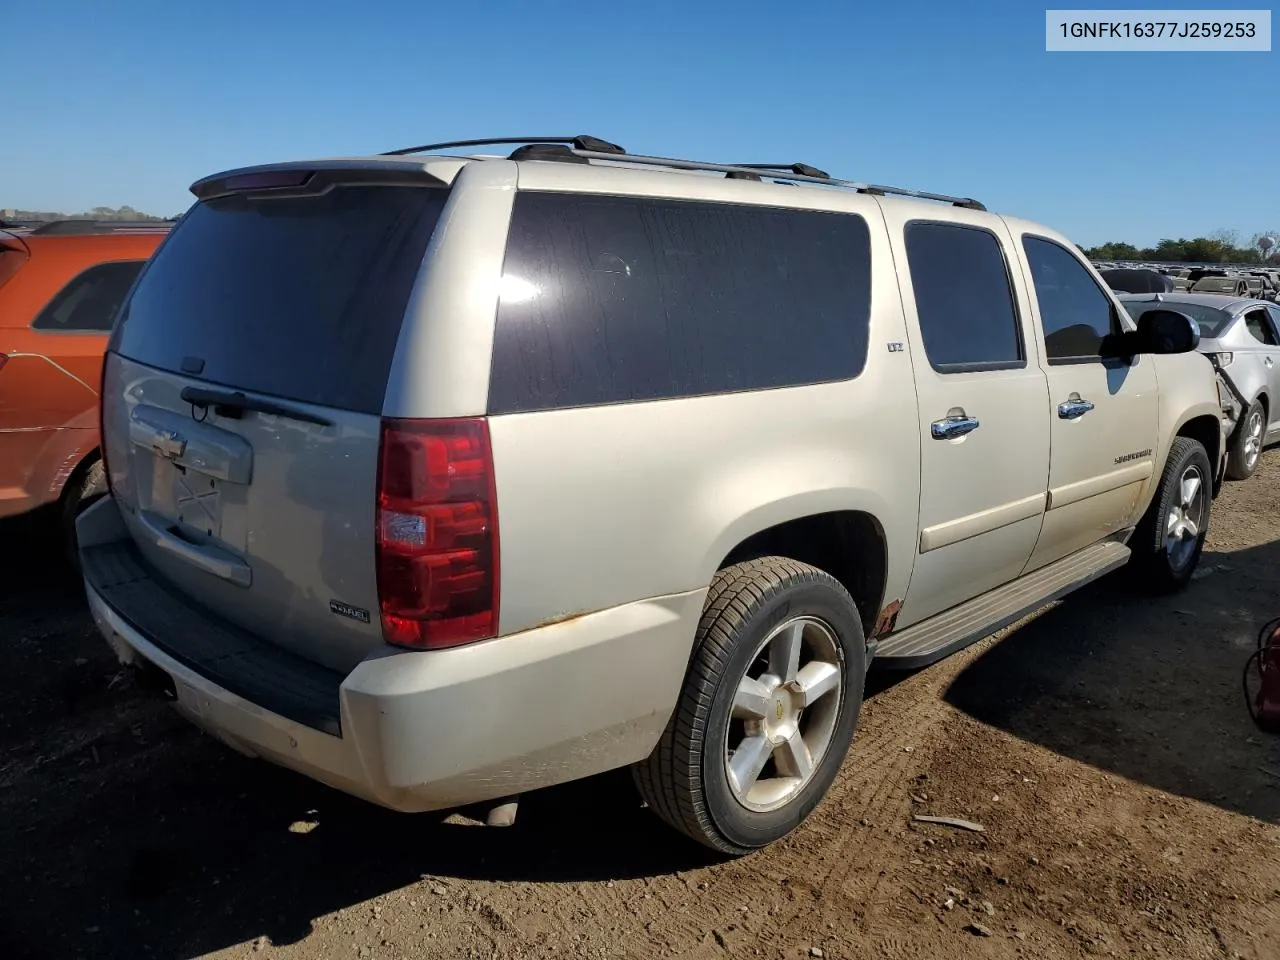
{"points": [[126, 212]]}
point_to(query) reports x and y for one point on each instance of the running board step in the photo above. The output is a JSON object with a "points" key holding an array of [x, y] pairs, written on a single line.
{"points": [[945, 633]]}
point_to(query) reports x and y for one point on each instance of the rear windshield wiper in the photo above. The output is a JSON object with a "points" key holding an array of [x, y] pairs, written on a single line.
{"points": [[233, 404]]}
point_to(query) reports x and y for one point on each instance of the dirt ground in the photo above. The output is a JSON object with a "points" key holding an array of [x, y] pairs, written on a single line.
{"points": [[1131, 809]]}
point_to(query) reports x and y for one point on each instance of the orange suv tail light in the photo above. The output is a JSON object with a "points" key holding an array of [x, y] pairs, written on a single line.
{"points": [[437, 537]]}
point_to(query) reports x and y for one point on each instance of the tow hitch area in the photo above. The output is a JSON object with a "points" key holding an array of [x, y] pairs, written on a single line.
{"points": [[153, 681]]}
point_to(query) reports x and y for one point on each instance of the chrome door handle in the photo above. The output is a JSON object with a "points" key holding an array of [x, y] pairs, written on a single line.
{"points": [[1074, 408], [953, 426], [1269, 362]]}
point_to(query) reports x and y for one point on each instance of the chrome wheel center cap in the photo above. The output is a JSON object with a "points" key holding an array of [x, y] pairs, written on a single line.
{"points": [[783, 714]]}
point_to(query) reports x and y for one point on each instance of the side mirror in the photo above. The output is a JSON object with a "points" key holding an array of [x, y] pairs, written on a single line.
{"points": [[1165, 331]]}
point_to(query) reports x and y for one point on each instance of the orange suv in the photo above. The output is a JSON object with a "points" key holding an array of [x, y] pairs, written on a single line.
{"points": [[60, 286]]}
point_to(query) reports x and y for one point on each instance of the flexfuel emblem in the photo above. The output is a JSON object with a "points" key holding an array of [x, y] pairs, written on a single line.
{"points": [[348, 611]]}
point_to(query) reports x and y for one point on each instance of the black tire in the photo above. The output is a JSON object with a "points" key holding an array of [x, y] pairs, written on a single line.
{"points": [[685, 780], [1239, 464], [1156, 568], [81, 493]]}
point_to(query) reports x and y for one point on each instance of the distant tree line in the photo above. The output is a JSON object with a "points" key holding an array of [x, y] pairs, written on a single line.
{"points": [[97, 213], [1223, 247]]}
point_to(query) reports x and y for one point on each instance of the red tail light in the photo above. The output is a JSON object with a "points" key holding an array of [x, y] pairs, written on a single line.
{"points": [[437, 533]]}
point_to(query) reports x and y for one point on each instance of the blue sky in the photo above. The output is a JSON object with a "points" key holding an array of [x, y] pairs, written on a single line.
{"points": [[130, 101]]}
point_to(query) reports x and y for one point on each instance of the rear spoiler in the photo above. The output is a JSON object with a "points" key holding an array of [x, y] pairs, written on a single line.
{"points": [[308, 178]]}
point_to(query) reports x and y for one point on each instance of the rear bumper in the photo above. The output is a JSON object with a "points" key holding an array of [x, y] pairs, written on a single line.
{"points": [[440, 729]]}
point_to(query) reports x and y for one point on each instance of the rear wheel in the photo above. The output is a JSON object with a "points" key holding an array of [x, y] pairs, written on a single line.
{"points": [[1169, 539], [1246, 445], [82, 492], [768, 709]]}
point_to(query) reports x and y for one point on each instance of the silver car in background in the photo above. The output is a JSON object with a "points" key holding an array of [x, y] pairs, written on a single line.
{"points": [[1241, 336]]}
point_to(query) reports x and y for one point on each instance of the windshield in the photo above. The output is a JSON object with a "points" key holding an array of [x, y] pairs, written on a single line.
{"points": [[297, 297], [1212, 320]]}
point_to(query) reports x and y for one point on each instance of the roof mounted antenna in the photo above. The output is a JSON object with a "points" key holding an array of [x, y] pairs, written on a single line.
{"points": [[581, 142]]}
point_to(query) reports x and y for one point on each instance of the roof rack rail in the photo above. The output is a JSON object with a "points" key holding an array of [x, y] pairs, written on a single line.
{"points": [[879, 190], [788, 173], [581, 142], [585, 147], [801, 168], [84, 227]]}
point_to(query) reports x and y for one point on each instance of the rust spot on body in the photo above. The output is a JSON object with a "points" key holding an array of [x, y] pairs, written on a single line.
{"points": [[559, 619], [887, 620]]}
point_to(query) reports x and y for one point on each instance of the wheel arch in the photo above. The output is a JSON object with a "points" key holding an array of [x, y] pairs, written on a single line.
{"points": [[850, 545], [1264, 398], [1206, 430], [77, 474]]}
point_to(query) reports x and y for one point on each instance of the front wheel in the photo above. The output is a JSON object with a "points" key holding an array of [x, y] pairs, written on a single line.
{"points": [[1169, 539], [768, 708]]}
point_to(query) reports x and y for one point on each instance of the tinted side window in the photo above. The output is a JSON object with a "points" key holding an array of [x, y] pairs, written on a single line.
{"points": [[90, 299], [1076, 314], [616, 299], [1256, 322], [963, 297]]}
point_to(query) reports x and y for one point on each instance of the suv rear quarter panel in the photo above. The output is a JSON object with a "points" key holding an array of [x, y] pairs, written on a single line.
{"points": [[600, 506]]}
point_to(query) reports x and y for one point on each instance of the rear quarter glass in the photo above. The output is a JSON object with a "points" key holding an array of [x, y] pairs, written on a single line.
{"points": [[296, 297], [609, 299]]}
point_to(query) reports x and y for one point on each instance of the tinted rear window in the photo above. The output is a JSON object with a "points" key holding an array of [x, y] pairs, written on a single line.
{"points": [[297, 297], [616, 299]]}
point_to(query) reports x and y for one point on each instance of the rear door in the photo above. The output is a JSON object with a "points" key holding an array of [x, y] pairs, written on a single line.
{"points": [[983, 409], [243, 397]]}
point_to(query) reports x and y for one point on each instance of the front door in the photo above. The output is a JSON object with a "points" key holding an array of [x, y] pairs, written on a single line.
{"points": [[983, 406], [1105, 412]]}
